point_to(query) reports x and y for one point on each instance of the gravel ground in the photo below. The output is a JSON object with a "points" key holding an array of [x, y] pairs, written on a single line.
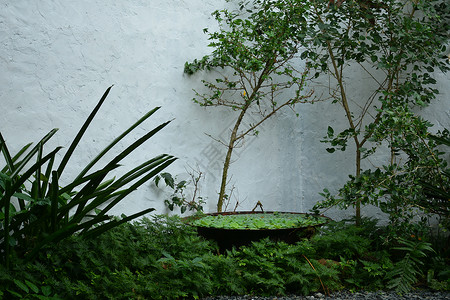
{"points": [[346, 295]]}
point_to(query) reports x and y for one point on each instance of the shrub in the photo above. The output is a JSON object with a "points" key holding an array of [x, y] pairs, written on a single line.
{"points": [[44, 208], [162, 258]]}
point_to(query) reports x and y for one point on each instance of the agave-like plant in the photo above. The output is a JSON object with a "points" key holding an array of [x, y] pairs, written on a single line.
{"points": [[35, 210]]}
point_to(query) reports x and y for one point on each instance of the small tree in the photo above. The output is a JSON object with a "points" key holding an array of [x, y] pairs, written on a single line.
{"points": [[398, 44], [254, 52]]}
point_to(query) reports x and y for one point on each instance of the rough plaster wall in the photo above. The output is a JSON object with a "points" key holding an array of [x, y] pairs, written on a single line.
{"points": [[57, 59]]}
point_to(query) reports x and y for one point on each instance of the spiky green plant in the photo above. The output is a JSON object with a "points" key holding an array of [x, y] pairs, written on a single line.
{"points": [[35, 210]]}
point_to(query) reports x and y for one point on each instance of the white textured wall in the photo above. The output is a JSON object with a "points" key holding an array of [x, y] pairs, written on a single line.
{"points": [[58, 57]]}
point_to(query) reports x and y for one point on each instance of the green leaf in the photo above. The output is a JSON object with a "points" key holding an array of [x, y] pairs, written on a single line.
{"points": [[105, 227], [12, 241], [32, 286], [330, 131], [323, 26], [23, 197], [19, 296], [54, 201], [80, 133], [168, 179], [22, 286], [32, 152], [6, 155], [157, 179], [25, 176], [304, 55], [117, 140], [46, 290], [181, 184], [152, 172]]}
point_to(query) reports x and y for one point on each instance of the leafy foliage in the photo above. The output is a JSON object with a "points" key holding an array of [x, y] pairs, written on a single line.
{"points": [[435, 184], [162, 258], [404, 191], [405, 272], [278, 268], [438, 275], [259, 221], [254, 55], [35, 210], [179, 197], [398, 45], [342, 241]]}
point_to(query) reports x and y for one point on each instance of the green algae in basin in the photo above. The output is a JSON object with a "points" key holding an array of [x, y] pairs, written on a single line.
{"points": [[259, 221]]}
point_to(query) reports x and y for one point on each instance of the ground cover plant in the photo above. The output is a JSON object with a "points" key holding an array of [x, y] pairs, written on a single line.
{"points": [[259, 221], [162, 258]]}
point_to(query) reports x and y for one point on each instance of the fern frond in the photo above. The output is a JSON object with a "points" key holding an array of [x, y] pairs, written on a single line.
{"points": [[403, 275]]}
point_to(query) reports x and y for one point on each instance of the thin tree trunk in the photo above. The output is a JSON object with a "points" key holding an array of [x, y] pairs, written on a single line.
{"points": [[352, 126], [358, 173], [226, 165]]}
